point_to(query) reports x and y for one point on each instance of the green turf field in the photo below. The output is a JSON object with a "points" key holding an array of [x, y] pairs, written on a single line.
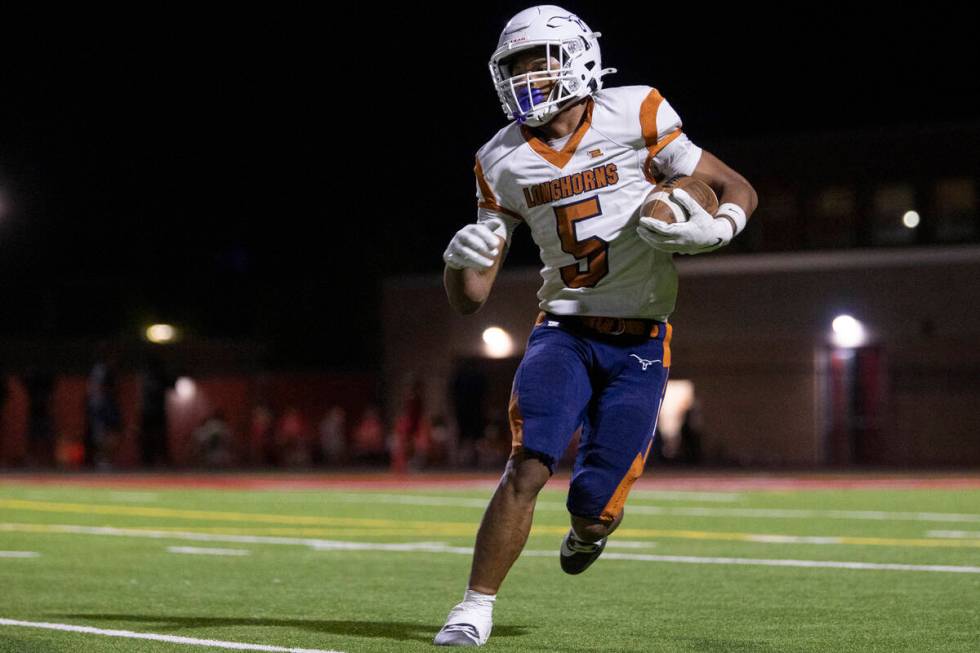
{"points": [[687, 571]]}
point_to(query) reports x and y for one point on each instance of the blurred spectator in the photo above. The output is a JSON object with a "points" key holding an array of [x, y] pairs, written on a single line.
{"points": [[4, 393], [153, 428], [102, 412], [262, 436], [411, 442], [440, 443], [469, 388], [494, 447], [368, 444], [691, 435], [213, 441], [293, 439], [40, 434], [333, 436]]}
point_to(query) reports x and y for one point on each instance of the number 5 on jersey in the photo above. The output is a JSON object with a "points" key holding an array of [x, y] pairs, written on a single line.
{"points": [[593, 249]]}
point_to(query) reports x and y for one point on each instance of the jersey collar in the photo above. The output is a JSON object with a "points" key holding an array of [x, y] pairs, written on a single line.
{"points": [[554, 157]]}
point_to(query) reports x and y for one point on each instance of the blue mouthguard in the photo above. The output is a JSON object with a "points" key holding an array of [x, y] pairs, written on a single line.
{"points": [[526, 100]]}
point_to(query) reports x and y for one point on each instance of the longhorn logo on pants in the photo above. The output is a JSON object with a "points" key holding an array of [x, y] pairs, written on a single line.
{"points": [[644, 362]]}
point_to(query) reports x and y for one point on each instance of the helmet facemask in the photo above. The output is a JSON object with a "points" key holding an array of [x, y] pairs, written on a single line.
{"points": [[535, 96]]}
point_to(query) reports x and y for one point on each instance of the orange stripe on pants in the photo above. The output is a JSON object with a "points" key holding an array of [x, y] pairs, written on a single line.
{"points": [[618, 499]]}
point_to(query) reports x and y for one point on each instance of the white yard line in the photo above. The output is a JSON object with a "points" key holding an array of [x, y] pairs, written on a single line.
{"points": [[825, 564], [172, 639], [19, 554], [315, 543], [630, 544], [207, 551], [956, 535], [438, 547], [634, 509]]}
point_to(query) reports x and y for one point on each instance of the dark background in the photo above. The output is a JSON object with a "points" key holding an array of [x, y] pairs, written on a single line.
{"points": [[256, 175]]}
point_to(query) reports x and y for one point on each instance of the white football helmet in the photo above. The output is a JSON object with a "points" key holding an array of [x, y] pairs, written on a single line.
{"points": [[536, 97]]}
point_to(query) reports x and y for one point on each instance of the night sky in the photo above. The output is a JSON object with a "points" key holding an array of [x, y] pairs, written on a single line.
{"points": [[257, 174]]}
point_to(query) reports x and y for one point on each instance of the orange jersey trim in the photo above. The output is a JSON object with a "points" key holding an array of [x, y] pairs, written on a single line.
{"points": [[491, 206], [489, 199], [648, 116], [654, 150], [555, 158], [481, 180], [648, 126]]}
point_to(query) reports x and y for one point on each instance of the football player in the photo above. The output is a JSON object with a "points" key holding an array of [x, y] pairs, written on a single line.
{"points": [[575, 164]]}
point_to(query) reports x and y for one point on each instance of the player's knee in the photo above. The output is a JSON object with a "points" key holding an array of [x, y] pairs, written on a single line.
{"points": [[594, 530], [589, 530], [525, 476]]}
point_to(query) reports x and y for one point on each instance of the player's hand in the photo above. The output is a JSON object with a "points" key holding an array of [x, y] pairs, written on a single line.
{"points": [[701, 233], [474, 246]]}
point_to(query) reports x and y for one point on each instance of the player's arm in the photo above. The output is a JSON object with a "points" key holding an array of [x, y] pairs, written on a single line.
{"points": [[473, 258], [469, 287], [475, 253], [703, 232], [731, 187]]}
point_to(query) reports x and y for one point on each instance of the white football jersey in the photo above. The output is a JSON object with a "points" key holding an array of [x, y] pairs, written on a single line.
{"points": [[582, 202]]}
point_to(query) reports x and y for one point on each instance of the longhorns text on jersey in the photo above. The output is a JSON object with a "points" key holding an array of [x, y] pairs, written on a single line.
{"points": [[581, 202]]}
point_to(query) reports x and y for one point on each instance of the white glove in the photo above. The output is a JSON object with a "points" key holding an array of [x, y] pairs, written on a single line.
{"points": [[474, 246], [701, 233]]}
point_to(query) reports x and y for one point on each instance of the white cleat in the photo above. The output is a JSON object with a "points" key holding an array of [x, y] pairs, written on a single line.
{"points": [[466, 625]]}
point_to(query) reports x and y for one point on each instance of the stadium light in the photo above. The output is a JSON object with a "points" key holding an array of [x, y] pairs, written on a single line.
{"points": [[186, 388], [848, 332], [911, 219], [497, 343], [161, 334]]}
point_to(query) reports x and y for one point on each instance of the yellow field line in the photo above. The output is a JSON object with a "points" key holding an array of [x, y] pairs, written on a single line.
{"points": [[463, 529], [210, 515], [209, 530]]}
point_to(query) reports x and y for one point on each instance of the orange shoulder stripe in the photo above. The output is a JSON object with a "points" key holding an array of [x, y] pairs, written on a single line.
{"points": [[489, 199], [481, 180], [648, 116]]}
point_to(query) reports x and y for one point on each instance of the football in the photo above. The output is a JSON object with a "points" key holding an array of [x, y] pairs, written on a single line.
{"points": [[659, 204]]}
